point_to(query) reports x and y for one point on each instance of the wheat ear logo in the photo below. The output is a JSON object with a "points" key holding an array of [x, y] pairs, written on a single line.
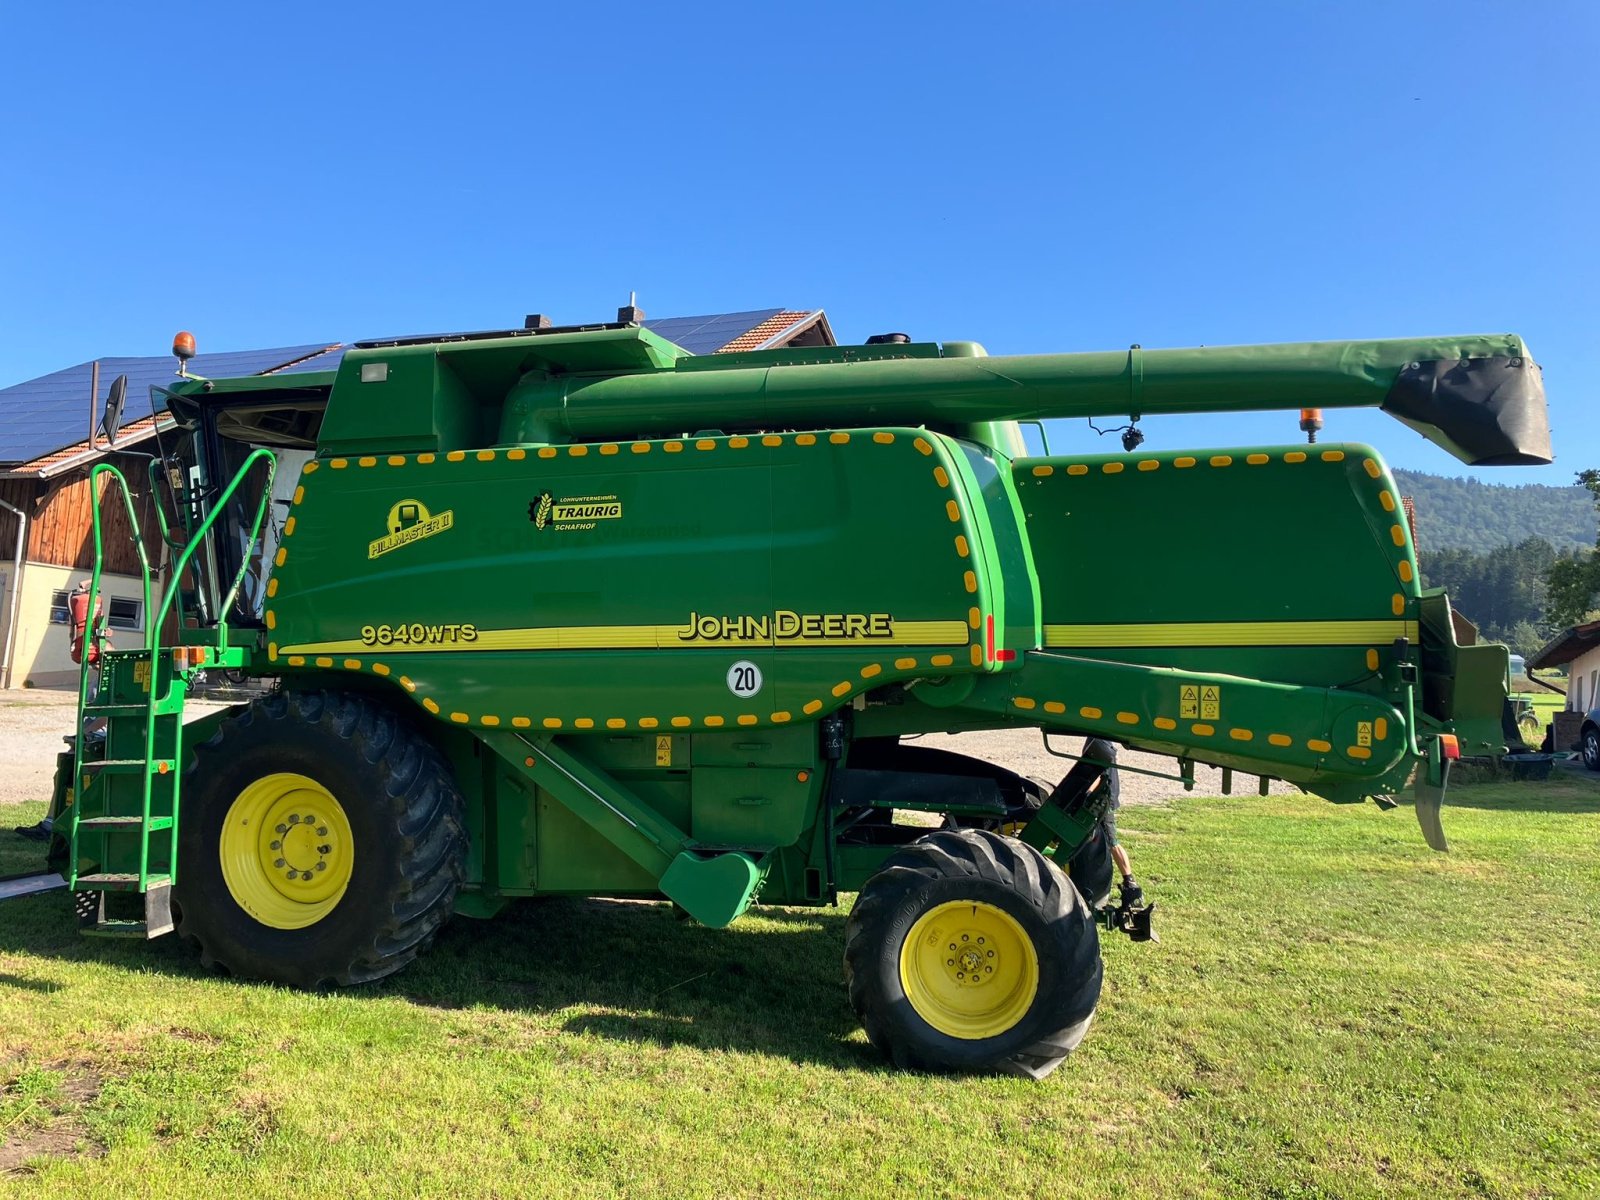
{"points": [[539, 510]]}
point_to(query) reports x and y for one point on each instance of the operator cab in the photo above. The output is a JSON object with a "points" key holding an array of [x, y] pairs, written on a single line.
{"points": [[216, 430]]}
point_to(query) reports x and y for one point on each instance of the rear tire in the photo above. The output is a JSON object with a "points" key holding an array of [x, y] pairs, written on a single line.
{"points": [[1591, 748], [1007, 909], [386, 876]]}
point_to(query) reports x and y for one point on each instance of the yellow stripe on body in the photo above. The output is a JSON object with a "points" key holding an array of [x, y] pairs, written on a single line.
{"points": [[1230, 633], [639, 637]]}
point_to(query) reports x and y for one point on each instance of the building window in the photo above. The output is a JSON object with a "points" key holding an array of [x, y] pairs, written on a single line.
{"points": [[122, 612]]}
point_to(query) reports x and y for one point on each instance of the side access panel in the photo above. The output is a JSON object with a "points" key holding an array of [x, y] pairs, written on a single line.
{"points": [[1251, 607]]}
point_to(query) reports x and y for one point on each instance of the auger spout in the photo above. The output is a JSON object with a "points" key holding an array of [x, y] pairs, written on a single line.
{"points": [[1479, 397]]}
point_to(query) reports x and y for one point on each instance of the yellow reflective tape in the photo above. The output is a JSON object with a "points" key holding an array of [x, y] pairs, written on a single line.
{"points": [[1231, 633], [1023, 701], [1092, 714], [1184, 461], [1295, 456], [1165, 723], [1077, 469]]}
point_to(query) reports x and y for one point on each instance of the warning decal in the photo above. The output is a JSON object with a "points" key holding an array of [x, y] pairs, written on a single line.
{"points": [[1210, 703], [1189, 702]]}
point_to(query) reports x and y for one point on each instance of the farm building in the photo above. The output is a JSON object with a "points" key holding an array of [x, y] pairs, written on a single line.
{"points": [[1578, 649], [50, 444]]}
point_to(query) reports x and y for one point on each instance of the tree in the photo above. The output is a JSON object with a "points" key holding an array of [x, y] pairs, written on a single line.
{"points": [[1574, 583]]}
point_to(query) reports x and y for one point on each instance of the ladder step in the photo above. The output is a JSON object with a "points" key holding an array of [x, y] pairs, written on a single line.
{"points": [[121, 824], [121, 882], [127, 766]]}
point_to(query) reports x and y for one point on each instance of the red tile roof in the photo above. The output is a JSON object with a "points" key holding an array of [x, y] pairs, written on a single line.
{"points": [[764, 332]]}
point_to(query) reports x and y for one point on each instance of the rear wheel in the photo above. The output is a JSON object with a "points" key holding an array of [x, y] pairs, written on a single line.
{"points": [[321, 842], [1591, 748], [969, 951]]}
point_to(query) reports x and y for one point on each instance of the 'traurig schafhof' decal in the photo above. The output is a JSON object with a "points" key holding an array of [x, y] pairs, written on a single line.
{"points": [[785, 626], [410, 521], [572, 512]]}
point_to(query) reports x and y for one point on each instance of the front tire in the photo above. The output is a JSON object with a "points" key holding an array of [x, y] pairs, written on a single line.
{"points": [[1591, 748], [321, 842], [969, 951]]}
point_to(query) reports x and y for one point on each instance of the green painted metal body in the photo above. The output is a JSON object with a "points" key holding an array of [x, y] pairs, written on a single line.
{"points": [[647, 602]]}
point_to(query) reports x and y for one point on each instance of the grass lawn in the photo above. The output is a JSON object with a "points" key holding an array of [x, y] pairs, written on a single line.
{"points": [[1333, 1011]]}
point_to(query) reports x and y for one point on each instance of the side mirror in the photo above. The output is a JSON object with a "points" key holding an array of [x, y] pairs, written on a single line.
{"points": [[111, 422]]}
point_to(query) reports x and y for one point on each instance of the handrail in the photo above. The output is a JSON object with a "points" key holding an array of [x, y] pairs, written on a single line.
{"points": [[153, 627], [198, 536], [91, 648]]}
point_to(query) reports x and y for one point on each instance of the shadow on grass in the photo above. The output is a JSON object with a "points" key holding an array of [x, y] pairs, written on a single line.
{"points": [[770, 984]]}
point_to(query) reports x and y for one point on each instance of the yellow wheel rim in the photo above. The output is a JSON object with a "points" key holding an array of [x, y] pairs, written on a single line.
{"points": [[286, 851], [969, 969]]}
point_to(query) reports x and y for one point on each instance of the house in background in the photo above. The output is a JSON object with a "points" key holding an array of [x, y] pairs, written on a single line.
{"points": [[1578, 649], [46, 507]]}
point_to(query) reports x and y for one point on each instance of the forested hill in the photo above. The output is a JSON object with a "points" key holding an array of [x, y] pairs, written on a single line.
{"points": [[1477, 516]]}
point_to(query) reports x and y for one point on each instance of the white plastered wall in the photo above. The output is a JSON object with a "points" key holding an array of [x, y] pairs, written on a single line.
{"points": [[41, 653]]}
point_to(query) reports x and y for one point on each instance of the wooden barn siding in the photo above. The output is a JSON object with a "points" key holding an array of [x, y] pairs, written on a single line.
{"points": [[60, 529]]}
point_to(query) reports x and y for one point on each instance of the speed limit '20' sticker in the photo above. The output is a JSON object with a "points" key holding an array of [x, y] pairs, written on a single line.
{"points": [[744, 679]]}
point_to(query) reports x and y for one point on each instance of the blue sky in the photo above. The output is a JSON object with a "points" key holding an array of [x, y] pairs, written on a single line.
{"points": [[1034, 177]]}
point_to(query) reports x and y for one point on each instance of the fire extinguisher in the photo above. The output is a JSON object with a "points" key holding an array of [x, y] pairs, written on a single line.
{"points": [[78, 612]]}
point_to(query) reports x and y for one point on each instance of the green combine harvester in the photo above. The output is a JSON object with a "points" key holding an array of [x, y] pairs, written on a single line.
{"points": [[569, 611]]}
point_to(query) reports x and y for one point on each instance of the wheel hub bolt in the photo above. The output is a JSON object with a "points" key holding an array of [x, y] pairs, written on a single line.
{"points": [[294, 818], [277, 845], [324, 849], [320, 867], [278, 862], [322, 831], [306, 875], [282, 828]]}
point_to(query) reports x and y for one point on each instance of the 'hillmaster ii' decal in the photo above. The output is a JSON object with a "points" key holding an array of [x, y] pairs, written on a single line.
{"points": [[409, 521], [576, 512]]}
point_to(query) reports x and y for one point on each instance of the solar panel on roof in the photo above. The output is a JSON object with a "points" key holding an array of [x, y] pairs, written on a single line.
{"points": [[710, 333], [53, 411], [48, 413]]}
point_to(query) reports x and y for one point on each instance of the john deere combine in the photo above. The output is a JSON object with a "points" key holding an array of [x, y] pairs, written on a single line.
{"points": [[571, 611]]}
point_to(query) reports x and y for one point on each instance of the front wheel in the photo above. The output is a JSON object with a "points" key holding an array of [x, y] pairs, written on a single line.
{"points": [[1591, 748], [969, 951], [321, 842]]}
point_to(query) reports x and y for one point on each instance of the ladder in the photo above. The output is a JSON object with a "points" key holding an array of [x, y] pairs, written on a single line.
{"points": [[121, 815]]}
